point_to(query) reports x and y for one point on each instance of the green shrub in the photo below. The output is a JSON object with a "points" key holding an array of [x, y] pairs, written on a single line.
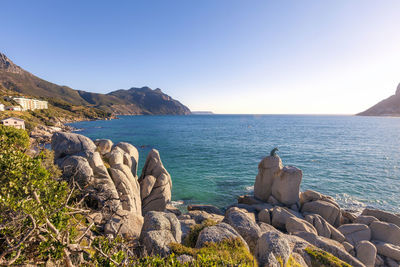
{"points": [[320, 257], [191, 238]]}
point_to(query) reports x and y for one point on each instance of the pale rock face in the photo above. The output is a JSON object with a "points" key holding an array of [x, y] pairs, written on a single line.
{"points": [[282, 183], [386, 232], [324, 228], [382, 216], [286, 187], [269, 247], [147, 185], [200, 215], [294, 224], [116, 156], [264, 216], [67, 144], [364, 219], [244, 225], [129, 197], [125, 223], [388, 250], [348, 247], [327, 210], [160, 193], [217, 233], [280, 215], [354, 233], [268, 169], [77, 157], [133, 154], [78, 168], [159, 230], [103, 145], [366, 253]]}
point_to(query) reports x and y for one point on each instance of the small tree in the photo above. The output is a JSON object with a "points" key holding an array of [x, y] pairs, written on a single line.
{"points": [[33, 205]]}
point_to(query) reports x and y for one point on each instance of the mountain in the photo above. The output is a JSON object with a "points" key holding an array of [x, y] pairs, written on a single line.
{"points": [[387, 107], [134, 101]]}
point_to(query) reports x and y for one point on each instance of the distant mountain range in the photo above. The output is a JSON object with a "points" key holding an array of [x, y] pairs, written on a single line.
{"points": [[134, 101], [387, 107]]}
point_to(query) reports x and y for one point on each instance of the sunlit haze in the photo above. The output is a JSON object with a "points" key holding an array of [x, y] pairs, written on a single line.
{"points": [[295, 57]]}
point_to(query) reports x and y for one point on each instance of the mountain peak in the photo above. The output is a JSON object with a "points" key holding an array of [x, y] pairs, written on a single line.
{"points": [[7, 65], [398, 90]]}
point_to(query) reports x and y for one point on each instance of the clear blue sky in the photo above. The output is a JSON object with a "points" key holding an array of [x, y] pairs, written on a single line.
{"points": [[338, 56]]}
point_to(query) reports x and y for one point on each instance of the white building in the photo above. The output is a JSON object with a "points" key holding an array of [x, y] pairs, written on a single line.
{"points": [[14, 122], [2, 108], [30, 104]]}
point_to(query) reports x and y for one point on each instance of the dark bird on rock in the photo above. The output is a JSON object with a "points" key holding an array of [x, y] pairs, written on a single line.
{"points": [[273, 152]]}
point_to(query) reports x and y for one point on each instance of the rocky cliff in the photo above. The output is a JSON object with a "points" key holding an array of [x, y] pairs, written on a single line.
{"points": [[387, 107], [135, 101]]}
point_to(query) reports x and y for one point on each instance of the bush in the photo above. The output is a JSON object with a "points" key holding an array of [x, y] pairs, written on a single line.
{"points": [[33, 212], [323, 258], [191, 238]]}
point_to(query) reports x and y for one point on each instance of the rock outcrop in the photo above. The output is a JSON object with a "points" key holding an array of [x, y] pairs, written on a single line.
{"points": [[155, 183], [282, 183], [159, 230], [114, 191]]}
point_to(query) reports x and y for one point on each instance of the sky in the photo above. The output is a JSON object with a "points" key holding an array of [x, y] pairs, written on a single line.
{"points": [[225, 56]]}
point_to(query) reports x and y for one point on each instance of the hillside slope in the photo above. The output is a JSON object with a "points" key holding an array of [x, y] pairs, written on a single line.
{"points": [[121, 102], [387, 107]]}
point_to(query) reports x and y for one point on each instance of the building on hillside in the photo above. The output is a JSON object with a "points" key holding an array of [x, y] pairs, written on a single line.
{"points": [[2, 107], [14, 122], [14, 108], [30, 104]]}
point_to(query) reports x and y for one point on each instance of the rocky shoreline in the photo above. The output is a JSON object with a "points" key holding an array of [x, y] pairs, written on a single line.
{"points": [[279, 225]]}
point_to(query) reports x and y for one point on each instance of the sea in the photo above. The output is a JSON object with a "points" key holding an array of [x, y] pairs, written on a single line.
{"points": [[213, 159]]}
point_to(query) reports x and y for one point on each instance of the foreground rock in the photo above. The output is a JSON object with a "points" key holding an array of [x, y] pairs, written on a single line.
{"points": [[159, 230], [244, 225], [217, 233], [77, 157], [155, 183], [270, 248]]}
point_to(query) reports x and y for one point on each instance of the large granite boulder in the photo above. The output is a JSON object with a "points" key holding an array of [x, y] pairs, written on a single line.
{"points": [[382, 216], [159, 230], [78, 168], [272, 248], [200, 216], [125, 223], [365, 219], [354, 233], [324, 228], [103, 145], [329, 211], [244, 225], [133, 156], [366, 253], [78, 159], [68, 144], [280, 216], [217, 233], [160, 190], [264, 216], [386, 232], [388, 250], [294, 224], [282, 183]]}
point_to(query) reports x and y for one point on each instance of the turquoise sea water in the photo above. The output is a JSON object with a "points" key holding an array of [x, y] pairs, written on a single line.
{"points": [[213, 158]]}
